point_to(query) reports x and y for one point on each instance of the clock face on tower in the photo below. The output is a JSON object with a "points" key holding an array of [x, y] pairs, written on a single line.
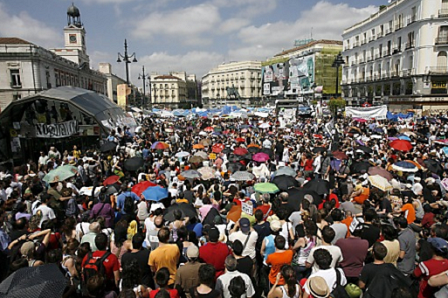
{"points": [[72, 38]]}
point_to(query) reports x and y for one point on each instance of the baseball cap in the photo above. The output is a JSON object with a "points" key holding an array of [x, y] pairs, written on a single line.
{"points": [[213, 234], [244, 225], [192, 252], [438, 244]]}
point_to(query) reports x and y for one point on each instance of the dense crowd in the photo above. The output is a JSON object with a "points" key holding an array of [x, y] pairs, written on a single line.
{"points": [[247, 207]]}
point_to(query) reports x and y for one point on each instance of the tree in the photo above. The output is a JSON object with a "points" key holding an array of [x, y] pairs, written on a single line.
{"points": [[336, 103]]}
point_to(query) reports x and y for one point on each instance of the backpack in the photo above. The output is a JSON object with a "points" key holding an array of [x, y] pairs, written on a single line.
{"points": [[129, 206], [93, 267], [338, 290], [385, 281]]}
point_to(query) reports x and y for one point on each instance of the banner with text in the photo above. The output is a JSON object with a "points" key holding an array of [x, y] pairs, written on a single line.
{"points": [[379, 112], [56, 130]]}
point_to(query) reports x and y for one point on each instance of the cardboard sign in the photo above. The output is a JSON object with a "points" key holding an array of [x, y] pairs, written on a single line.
{"points": [[56, 130], [212, 156], [247, 208]]}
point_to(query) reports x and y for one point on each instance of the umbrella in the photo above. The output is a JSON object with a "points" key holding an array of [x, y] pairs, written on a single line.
{"points": [[108, 146], [133, 164], [360, 167], [187, 211], [110, 189], [209, 129], [401, 145], [240, 151], [111, 180], [285, 182], [355, 129], [339, 155], [378, 171], [202, 133], [155, 193], [242, 176], [34, 282], [207, 173], [434, 166], [198, 146], [60, 174], [392, 138], [240, 140], [264, 125], [253, 145], [268, 152], [217, 129], [296, 195], [253, 150], [335, 164], [365, 149], [266, 188], [419, 166], [405, 166], [380, 182], [232, 167], [410, 134], [206, 142], [182, 154], [192, 174], [319, 149], [139, 188], [320, 186], [288, 171], [260, 157], [217, 148], [316, 136], [360, 120], [406, 138], [234, 213], [196, 159], [201, 154], [160, 146]]}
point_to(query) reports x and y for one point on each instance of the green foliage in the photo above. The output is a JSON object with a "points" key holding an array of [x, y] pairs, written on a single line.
{"points": [[314, 102], [336, 103]]}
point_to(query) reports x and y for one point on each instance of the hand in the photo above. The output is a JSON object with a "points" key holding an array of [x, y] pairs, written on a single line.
{"points": [[279, 276]]}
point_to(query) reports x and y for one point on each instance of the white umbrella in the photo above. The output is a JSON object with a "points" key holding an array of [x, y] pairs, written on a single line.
{"points": [[242, 176], [264, 125], [182, 154], [380, 182]]}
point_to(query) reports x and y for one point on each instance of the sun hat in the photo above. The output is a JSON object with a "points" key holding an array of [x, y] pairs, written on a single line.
{"points": [[318, 287]]}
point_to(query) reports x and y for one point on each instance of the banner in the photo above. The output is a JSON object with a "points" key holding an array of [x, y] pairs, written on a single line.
{"points": [[56, 130], [379, 112]]}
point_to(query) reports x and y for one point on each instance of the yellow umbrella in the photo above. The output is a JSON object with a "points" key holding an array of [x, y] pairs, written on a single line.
{"points": [[380, 182]]}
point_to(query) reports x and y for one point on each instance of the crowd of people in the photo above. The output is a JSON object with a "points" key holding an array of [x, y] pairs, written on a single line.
{"points": [[234, 208]]}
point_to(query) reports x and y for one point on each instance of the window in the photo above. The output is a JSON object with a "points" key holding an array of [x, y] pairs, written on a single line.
{"points": [[399, 44], [442, 61], [47, 77], [15, 78]]}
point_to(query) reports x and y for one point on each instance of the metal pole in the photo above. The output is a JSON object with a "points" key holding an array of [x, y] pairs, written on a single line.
{"points": [[126, 60], [150, 93], [144, 90], [337, 80]]}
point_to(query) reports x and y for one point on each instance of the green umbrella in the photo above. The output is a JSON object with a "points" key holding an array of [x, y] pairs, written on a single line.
{"points": [[60, 174], [266, 188], [217, 129]]}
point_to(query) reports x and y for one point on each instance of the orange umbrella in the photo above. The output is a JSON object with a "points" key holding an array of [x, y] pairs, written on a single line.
{"points": [[234, 213], [198, 146], [253, 145], [419, 166]]}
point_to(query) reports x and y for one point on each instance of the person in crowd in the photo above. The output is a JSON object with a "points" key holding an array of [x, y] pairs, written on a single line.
{"points": [[187, 276], [214, 252], [223, 281]]}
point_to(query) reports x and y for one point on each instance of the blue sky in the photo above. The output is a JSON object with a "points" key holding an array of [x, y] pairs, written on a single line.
{"points": [[183, 35]]}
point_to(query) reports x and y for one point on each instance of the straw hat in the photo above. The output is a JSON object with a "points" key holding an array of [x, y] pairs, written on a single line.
{"points": [[318, 287]]}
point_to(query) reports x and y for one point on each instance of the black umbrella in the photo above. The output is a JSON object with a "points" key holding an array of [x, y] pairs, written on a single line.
{"points": [[187, 211], [226, 150], [34, 282], [360, 167], [108, 146], [133, 164], [365, 149], [111, 189], [319, 149], [434, 166], [234, 166], [296, 196], [320, 186], [253, 150], [285, 182], [268, 152]]}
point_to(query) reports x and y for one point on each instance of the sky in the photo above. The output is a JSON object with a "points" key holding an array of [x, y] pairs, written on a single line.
{"points": [[183, 35]]}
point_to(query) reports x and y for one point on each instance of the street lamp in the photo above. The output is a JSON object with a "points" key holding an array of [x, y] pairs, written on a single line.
{"points": [[143, 77], [338, 61], [126, 59]]}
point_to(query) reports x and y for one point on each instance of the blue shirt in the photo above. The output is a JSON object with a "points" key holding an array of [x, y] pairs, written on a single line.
{"points": [[4, 241], [145, 153], [121, 197]]}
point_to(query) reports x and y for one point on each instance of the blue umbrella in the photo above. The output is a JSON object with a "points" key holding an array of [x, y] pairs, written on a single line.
{"points": [[155, 193], [405, 166], [405, 138], [445, 150]]}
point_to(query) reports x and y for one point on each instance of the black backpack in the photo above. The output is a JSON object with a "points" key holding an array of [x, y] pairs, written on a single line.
{"points": [[385, 281], [93, 267], [338, 290], [129, 205]]}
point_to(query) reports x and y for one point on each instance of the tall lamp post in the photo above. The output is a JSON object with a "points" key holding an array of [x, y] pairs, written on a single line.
{"points": [[126, 59], [143, 77], [338, 61]]}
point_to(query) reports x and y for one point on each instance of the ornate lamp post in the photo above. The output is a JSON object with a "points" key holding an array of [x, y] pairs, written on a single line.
{"points": [[126, 59], [338, 61], [143, 77]]}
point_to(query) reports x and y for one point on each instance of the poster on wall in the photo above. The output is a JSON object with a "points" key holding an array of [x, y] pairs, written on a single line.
{"points": [[275, 78], [56, 130], [301, 74]]}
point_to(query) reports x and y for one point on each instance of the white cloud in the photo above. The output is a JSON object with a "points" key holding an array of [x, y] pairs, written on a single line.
{"points": [[233, 24], [248, 8], [106, 1], [188, 24], [26, 27]]}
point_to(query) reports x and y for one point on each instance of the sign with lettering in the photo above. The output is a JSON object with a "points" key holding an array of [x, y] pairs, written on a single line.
{"points": [[439, 85], [56, 130], [247, 208]]}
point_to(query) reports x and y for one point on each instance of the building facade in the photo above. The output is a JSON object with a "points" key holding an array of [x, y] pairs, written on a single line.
{"points": [[112, 81], [168, 91], [398, 56], [27, 68], [296, 73], [244, 77]]}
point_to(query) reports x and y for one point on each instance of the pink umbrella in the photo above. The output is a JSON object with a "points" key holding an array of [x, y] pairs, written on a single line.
{"points": [[260, 157], [360, 120]]}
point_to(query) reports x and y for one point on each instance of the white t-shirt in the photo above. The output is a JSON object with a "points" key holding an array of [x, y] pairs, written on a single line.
{"points": [[330, 277], [47, 214], [335, 252], [249, 250]]}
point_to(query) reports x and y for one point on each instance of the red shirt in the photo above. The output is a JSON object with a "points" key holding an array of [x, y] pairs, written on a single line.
{"points": [[173, 293], [110, 263], [266, 209], [428, 220], [426, 270], [215, 254], [308, 165]]}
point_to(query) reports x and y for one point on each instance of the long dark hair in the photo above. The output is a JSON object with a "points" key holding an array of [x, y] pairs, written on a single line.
{"points": [[289, 275]]}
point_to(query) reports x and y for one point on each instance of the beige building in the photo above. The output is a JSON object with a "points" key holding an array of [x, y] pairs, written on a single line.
{"points": [[167, 90], [112, 81], [244, 77]]}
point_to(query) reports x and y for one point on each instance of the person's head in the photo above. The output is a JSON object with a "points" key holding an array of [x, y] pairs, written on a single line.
{"points": [[237, 248], [318, 287], [401, 222], [369, 215], [129, 293], [230, 263], [258, 215], [213, 234], [95, 286], [337, 215], [279, 242], [244, 225], [137, 241], [177, 214], [310, 228], [164, 235], [95, 227], [207, 274], [289, 275], [328, 234], [389, 232], [322, 258], [402, 292], [162, 277], [192, 253], [101, 241], [379, 251], [237, 287], [284, 197], [158, 221]]}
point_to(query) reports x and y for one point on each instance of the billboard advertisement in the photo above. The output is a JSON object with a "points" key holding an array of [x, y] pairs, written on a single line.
{"points": [[275, 77], [301, 74]]}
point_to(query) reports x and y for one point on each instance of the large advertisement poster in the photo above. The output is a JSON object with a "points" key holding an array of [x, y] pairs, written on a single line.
{"points": [[301, 77], [275, 78]]}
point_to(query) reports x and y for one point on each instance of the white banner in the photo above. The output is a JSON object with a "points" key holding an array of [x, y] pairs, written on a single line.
{"points": [[56, 130], [379, 112]]}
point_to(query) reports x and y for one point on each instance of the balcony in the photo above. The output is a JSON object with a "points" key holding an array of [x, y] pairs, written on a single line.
{"points": [[388, 31], [443, 13], [361, 61], [386, 53], [407, 72], [409, 45], [394, 74], [379, 35], [368, 78], [441, 40], [385, 75], [398, 27], [370, 59], [377, 56], [396, 51], [363, 42], [438, 69], [355, 44]]}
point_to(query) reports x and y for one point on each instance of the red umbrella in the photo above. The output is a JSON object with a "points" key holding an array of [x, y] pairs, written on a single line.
{"points": [[240, 151], [111, 180], [217, 148], [139, 188], [299, 133], [260, 157], [240, 140], [316, 136], [401, 145], [339, 155], [209, 129]]}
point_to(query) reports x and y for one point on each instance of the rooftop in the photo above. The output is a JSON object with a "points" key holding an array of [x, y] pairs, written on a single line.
{"points": [[310, 44], [13, 40], [167, 77]]}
